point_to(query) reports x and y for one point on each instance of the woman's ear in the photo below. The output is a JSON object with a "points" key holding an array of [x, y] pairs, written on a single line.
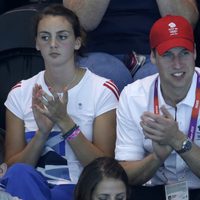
{"points": [[37, 48], [36, 44], [77, 43], [3, 169]]}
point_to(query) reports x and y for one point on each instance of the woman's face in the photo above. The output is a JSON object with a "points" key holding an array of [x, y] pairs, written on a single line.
{"points": [[110, 189], [56, 40]]}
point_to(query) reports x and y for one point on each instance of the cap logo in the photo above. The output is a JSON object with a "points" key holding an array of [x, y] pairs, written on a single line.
{"points": [[173, 30]]}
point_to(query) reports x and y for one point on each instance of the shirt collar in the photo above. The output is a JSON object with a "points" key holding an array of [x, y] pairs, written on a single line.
{"points": [[188, 100]]}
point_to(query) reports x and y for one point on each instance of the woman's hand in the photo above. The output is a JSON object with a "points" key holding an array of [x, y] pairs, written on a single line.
{"points": [[40, 111], [57, 110], [50, 110]]}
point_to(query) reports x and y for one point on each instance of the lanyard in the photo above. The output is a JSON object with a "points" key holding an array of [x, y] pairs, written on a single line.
{"points": [[195, 109]]}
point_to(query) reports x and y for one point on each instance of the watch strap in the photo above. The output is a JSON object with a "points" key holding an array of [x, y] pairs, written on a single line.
{"points": [[186, 146]]}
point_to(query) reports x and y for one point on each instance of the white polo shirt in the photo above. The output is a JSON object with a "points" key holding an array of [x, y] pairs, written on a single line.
{"points": [[137, 98]]}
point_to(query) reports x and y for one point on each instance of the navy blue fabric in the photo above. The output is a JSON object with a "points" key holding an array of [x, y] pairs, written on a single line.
{"points": [[125, 27]]}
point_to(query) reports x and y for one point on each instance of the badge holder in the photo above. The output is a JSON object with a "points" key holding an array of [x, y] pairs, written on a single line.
{"points": [[177, 191]]}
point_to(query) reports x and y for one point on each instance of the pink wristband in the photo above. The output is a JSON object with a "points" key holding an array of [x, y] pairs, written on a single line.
{"points": [[74, 134]]}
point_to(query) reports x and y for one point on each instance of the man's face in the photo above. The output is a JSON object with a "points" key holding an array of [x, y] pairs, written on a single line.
{"points": [[176, 67]]}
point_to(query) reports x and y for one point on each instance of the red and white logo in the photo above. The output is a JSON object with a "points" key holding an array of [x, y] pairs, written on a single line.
{"points": [[173, 30]]}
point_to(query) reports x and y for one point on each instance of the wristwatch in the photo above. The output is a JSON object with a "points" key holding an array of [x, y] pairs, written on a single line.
{"points": [[186, 146]]}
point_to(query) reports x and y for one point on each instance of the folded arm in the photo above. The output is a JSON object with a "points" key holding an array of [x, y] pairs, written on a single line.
{"points": [[90, 12]]}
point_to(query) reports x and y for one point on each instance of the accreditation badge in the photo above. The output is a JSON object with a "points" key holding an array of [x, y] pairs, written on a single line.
{"points": [[177, 191]]}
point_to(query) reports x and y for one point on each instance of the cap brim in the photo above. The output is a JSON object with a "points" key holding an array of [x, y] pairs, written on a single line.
{"points": [[173, 43]]}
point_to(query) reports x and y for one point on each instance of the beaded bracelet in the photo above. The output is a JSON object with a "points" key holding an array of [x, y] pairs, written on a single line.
{"points": [[70, 132]]}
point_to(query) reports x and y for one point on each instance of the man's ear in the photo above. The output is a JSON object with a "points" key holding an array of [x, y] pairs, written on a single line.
{"points": [[3, 169], [77, 43], [195, 52], [152, 56]]}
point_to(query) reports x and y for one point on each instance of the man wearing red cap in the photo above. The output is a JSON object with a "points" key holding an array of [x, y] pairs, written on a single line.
{"points": [[158, 121]]}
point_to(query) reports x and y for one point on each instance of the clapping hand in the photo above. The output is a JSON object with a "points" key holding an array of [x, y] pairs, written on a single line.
{"points": [[39, 110], [162, 130]]}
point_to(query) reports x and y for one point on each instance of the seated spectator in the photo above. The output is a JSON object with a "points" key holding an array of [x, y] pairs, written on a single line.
{"points": [[158, 118], [59, 120], [103, 178], [120, 27]]}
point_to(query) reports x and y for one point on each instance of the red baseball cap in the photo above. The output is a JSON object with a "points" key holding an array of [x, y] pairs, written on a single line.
{"points": [[171, 31]]}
